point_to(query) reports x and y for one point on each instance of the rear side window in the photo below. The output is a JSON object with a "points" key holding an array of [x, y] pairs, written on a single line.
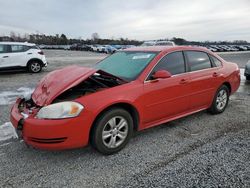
{"points": [[173, 63], [216, 61], [197, 60], [17, 48]]}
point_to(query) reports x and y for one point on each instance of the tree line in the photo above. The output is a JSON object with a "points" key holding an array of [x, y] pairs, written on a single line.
{"points": [[95, 39], [64, 40]]}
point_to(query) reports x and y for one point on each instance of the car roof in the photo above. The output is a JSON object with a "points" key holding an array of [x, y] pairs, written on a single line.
{"points": [[18, 43], [165, 48]]}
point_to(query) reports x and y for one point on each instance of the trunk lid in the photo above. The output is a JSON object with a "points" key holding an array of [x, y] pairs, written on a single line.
{"points": [[59, 81]]}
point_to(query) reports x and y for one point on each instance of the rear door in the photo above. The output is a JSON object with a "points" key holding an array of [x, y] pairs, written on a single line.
{"points": [[166, 98], [18, 56], [204, 79]]}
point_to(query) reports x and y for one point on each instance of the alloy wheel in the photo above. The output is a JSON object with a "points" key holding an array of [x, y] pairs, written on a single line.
{"points": [[35, 67], [115, 132], [221, 100]]}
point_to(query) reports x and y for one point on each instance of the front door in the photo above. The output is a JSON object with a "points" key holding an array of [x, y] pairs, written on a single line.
{"points": [[4, 56], [166, 98]]}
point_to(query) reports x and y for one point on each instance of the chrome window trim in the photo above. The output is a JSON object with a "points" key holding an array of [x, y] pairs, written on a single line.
{"points": [[188, 71]]}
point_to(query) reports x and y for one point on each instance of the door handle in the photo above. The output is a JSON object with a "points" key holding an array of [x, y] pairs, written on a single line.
{"points": [[183, 81], [5, 56], [215, 74], [29, 53]]}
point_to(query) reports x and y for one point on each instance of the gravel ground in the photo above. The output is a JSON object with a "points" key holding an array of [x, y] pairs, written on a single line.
{"points": [[200, 150]]}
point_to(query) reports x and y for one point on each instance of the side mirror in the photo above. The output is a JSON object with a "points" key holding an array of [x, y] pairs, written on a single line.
{"points": [[161, 74]]}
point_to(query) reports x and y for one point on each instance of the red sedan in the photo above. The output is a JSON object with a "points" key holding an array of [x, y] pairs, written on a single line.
{"points": [[131, 90]]}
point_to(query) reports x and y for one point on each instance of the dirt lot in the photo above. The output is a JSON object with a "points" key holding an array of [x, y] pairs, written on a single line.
{"points": [[200, 150]]}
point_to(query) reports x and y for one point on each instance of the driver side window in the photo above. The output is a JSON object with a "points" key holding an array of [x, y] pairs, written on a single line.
{"points": [[173, 63]]}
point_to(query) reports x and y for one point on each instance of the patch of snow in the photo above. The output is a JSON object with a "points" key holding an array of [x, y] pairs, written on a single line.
{"points": [[9, 97], [242, 77], [7, 131]]}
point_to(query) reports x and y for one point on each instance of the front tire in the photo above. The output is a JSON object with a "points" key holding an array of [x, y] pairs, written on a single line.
{"points": [[220, 100], [34, 67], [248, 78], [112, 131]]}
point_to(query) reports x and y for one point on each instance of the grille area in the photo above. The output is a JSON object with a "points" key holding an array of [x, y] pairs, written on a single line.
{"points": [[48, 140]]}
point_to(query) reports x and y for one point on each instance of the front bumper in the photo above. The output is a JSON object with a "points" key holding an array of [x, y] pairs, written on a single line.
{"points": [[51, 134], [45, 64]]}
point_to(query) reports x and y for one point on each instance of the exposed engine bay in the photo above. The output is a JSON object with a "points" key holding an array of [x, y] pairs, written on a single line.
{"points": [[94, 83], [97, 82]]}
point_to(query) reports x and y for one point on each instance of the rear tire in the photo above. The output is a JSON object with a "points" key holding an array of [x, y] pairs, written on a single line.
{"points": [[34, 67], [248, 78], [112, 131], [220, 100]]}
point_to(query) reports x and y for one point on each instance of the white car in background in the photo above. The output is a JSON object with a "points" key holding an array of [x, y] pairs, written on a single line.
{"points": [[94, 47], [165, 43], [16, 55], [101, 48], [158, 43]]}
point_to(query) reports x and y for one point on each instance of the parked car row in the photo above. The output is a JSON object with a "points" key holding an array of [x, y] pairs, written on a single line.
{"points": [[226, 48], [56, 47], [99, 48]]}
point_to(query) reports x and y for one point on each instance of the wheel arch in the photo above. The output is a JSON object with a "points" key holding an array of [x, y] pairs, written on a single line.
{"points": [[34, 59], [126, 106], [228, 86]]}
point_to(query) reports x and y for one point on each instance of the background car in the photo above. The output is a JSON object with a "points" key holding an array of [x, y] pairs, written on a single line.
{"points": [[86, 47], [158, 43], [164, 43], [76, 47], [16, 55], [94, 47], [247, 71], [212, 49], [109, 49]]}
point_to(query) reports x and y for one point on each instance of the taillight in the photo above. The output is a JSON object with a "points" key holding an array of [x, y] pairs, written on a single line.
{"points": [[41, 52]]}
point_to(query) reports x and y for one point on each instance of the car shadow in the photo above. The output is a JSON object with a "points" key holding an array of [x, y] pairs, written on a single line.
{"points": [[7, 72]]}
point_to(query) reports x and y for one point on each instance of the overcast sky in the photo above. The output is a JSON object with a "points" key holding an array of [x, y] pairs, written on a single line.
{"points": [[133, 19]]}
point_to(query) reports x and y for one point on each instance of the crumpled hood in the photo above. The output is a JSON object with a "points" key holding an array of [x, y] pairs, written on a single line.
{"points": [[56, 82]]}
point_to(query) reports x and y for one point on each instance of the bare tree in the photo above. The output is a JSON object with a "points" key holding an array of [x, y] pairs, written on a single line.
{"points": [[95, 36], [13, 35]]}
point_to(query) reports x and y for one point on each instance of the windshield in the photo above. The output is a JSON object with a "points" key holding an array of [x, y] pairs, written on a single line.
{"points": [[126, 65]]}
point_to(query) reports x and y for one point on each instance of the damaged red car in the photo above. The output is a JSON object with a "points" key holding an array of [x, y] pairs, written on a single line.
{"points": [[129, 91]]}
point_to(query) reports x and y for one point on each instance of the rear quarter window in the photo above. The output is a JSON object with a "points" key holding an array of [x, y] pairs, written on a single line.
{"points": [[198, 60], [216, 61]]}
